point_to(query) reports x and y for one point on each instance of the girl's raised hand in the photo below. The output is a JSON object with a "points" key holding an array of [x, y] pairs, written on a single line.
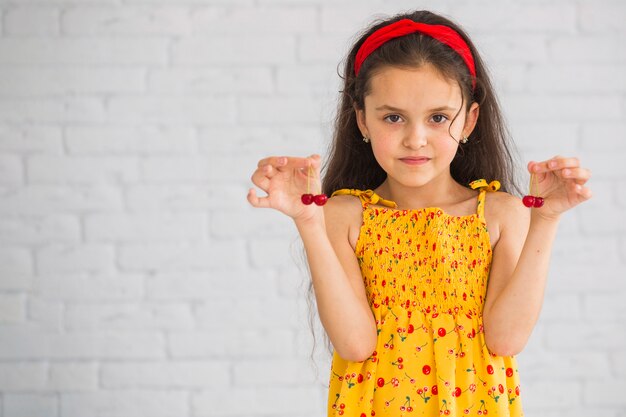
{"points": [[285, 179], [561, 182]]}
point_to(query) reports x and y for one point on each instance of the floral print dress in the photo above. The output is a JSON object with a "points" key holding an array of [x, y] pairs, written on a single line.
{"points": [[425, 274]]}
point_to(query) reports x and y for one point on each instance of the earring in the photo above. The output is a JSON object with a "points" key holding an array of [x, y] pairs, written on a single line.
{"points": [[366, 140], [464, 140]]}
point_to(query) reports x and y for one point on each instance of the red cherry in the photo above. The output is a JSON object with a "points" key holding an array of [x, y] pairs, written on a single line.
{"points": [[490, 369], [528, 200], [381, 382], [501, 388], [538, 202], [457, 392], [509, 372], [360, 378], [441, 332], [435, 390], [426, 369], [410, 329], [320, 199], [307, 199]]}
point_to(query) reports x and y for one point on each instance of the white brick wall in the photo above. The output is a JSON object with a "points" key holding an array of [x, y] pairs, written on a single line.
{"points": [[135, 279]]}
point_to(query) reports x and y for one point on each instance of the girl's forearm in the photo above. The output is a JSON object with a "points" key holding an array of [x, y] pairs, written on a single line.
{"points": [[515, 311], [345, 315]]}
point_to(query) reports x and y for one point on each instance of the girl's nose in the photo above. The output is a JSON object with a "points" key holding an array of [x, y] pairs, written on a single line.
{"points": [[416, 137]]}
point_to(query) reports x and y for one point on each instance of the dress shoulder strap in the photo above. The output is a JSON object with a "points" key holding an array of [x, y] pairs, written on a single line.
{"points": [[367, 197], [483, 186]]}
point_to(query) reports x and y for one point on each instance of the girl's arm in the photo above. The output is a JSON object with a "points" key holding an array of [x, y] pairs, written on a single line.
{"points": [[339, 289], [521, 258]]}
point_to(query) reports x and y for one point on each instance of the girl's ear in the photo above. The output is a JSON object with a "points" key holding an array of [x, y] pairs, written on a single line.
{"points": [[360, 120], [471, 119]]}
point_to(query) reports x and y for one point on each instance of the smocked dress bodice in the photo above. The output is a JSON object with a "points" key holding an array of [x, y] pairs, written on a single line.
{"points": [[425, 274]]}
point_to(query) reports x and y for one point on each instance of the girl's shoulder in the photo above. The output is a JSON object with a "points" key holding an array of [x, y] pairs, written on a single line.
{"points": [[501, 210], [345, 211]]}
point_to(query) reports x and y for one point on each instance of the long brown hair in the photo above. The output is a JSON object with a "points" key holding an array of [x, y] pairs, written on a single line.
{"points": [[488, 154]]}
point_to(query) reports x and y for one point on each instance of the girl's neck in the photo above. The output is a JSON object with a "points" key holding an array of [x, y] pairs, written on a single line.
{"points": [[442, 191]]}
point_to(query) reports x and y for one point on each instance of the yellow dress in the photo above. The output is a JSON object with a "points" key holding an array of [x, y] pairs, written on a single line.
{"points": [[425, 274]]}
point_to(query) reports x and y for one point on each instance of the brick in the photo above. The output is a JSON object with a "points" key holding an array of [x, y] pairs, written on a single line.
{"points": [[322, 49], [74, 376], [15, 261], [252, 222], [270, 252], [171, 110], [272, 372], [264, 400], [519, 18], [180, 374], [32, 20], [128, 316], [276, 140], [47, 315], [575, 108], [31, 405], [180, 257], [263, 111], [554, 394], [128, 20], [119, 403], [603, 136], [606, 392], [51, 110], [73, 80], [11, 170], [172, 169], [212, 81], [75, 258], [546, 138], [90, 287], [118, 344], [200, 286], [565, 365], [243, 312], [231, 49], [577, 78], [85, 140], [512, 49], [181, 197], [12, 308], [585, 336], [595, 303], [23, 376], [234, 343], [145, 227], [29, 229], [229, 20], [26, 139], [609, 18], [49, 199], [51, 169], [84, 51], [586, 50]]}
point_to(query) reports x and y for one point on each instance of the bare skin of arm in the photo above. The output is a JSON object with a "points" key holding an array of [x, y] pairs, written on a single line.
{"points": [[338, 285], [521, 258]]}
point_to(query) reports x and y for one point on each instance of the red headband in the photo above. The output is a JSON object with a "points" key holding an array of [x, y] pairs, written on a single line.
{"points": [[443, 34]]}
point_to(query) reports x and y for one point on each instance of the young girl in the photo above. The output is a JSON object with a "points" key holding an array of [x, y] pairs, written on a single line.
{"points": [[428, 280]]}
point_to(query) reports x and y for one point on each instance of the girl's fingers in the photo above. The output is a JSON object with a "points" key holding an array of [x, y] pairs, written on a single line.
{"points": [[579, 175], [554, 164], [261, 202]]}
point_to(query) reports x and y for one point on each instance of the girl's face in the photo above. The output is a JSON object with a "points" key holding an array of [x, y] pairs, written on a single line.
{"points": [[407, 118]]}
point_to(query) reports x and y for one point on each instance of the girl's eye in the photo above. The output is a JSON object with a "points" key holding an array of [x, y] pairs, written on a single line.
{"points": [[392, 115], [439, 118]]}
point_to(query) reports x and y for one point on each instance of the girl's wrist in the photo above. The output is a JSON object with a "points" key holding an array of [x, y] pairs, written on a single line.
{"points": [[315, 222]]}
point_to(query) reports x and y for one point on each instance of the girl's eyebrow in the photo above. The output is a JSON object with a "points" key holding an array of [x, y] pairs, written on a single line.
{"points": [[391, 108]]}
